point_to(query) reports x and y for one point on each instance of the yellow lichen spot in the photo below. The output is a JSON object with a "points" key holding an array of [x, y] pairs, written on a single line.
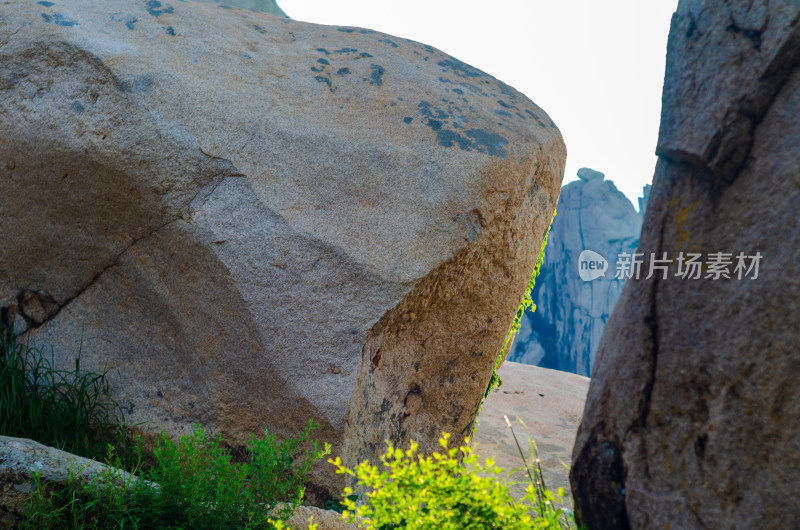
{"points": [[682, 215]]}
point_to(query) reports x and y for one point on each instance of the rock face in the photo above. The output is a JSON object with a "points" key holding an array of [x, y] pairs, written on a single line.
{"points": [[564, 331], [251, 221], [550, 403], [693, 410]]}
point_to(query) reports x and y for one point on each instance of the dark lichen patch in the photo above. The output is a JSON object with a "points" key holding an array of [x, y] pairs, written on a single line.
{"points": [[59, 20], [128, 20], [323, 50], [507, 91], [367, 31], [460, 68], [156, 8], [538, 120], [450, 128], [436, 125], [45, 3], [389, 42], [408, 119], [259, 29], [318, 69], [76, 107], [376, 78], [473, 89], [245, 56], [141, 83], [505, 113], [458, 91], [478, 140], [346, 50], [364, 54], [323, 61], [430, 111], [343, 71], [503, 104], [326, 80], [346, 30], [169, 30]]}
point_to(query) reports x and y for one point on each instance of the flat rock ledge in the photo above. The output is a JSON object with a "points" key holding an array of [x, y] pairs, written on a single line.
{"points": [[550, 403]]}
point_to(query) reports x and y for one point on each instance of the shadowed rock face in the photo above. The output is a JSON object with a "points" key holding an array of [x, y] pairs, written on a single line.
{"points": [[693, 410], [252, 221]]}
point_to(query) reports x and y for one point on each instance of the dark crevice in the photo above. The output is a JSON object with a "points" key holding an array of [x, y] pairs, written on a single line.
{"points": [[651, 321], [97, 276], [644, 407], [698, 518], [598, 479], [754, 35]]}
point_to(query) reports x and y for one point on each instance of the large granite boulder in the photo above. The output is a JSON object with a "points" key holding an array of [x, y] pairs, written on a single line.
{"points": [[564, 331], [693, 411], [251, 221]]}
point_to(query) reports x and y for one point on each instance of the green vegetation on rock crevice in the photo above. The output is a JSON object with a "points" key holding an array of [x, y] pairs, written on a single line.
{"points": [[526, 303]]}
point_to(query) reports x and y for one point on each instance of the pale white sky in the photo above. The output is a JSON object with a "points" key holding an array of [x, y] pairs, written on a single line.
{"points": [[596, 67]]}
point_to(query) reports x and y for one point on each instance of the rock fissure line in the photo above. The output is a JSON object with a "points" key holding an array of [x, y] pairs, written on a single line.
{"points": [[97, 276]]}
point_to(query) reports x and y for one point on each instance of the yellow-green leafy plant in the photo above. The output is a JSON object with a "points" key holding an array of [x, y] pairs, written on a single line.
{"points": [[450, 489]]}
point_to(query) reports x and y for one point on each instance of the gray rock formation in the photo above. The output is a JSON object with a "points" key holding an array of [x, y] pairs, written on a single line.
{"points": [[564, 331], [693, 411], [252, 221]]}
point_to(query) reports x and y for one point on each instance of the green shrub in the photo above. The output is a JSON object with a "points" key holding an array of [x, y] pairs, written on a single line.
{"points": [[448, 490], [193, 484]]}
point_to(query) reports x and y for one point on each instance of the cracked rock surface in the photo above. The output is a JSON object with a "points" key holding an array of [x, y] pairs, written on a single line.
{"points": [[251, 221], [693, 410]]}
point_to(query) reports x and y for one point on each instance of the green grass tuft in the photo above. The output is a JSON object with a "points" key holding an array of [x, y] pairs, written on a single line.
{"points": [[193, 483], [72, 410]]}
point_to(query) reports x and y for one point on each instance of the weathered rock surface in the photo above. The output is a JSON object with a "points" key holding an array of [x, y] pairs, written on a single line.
{"points": [[693, 411], [564, 331], [550, 403], [252, 221]]}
